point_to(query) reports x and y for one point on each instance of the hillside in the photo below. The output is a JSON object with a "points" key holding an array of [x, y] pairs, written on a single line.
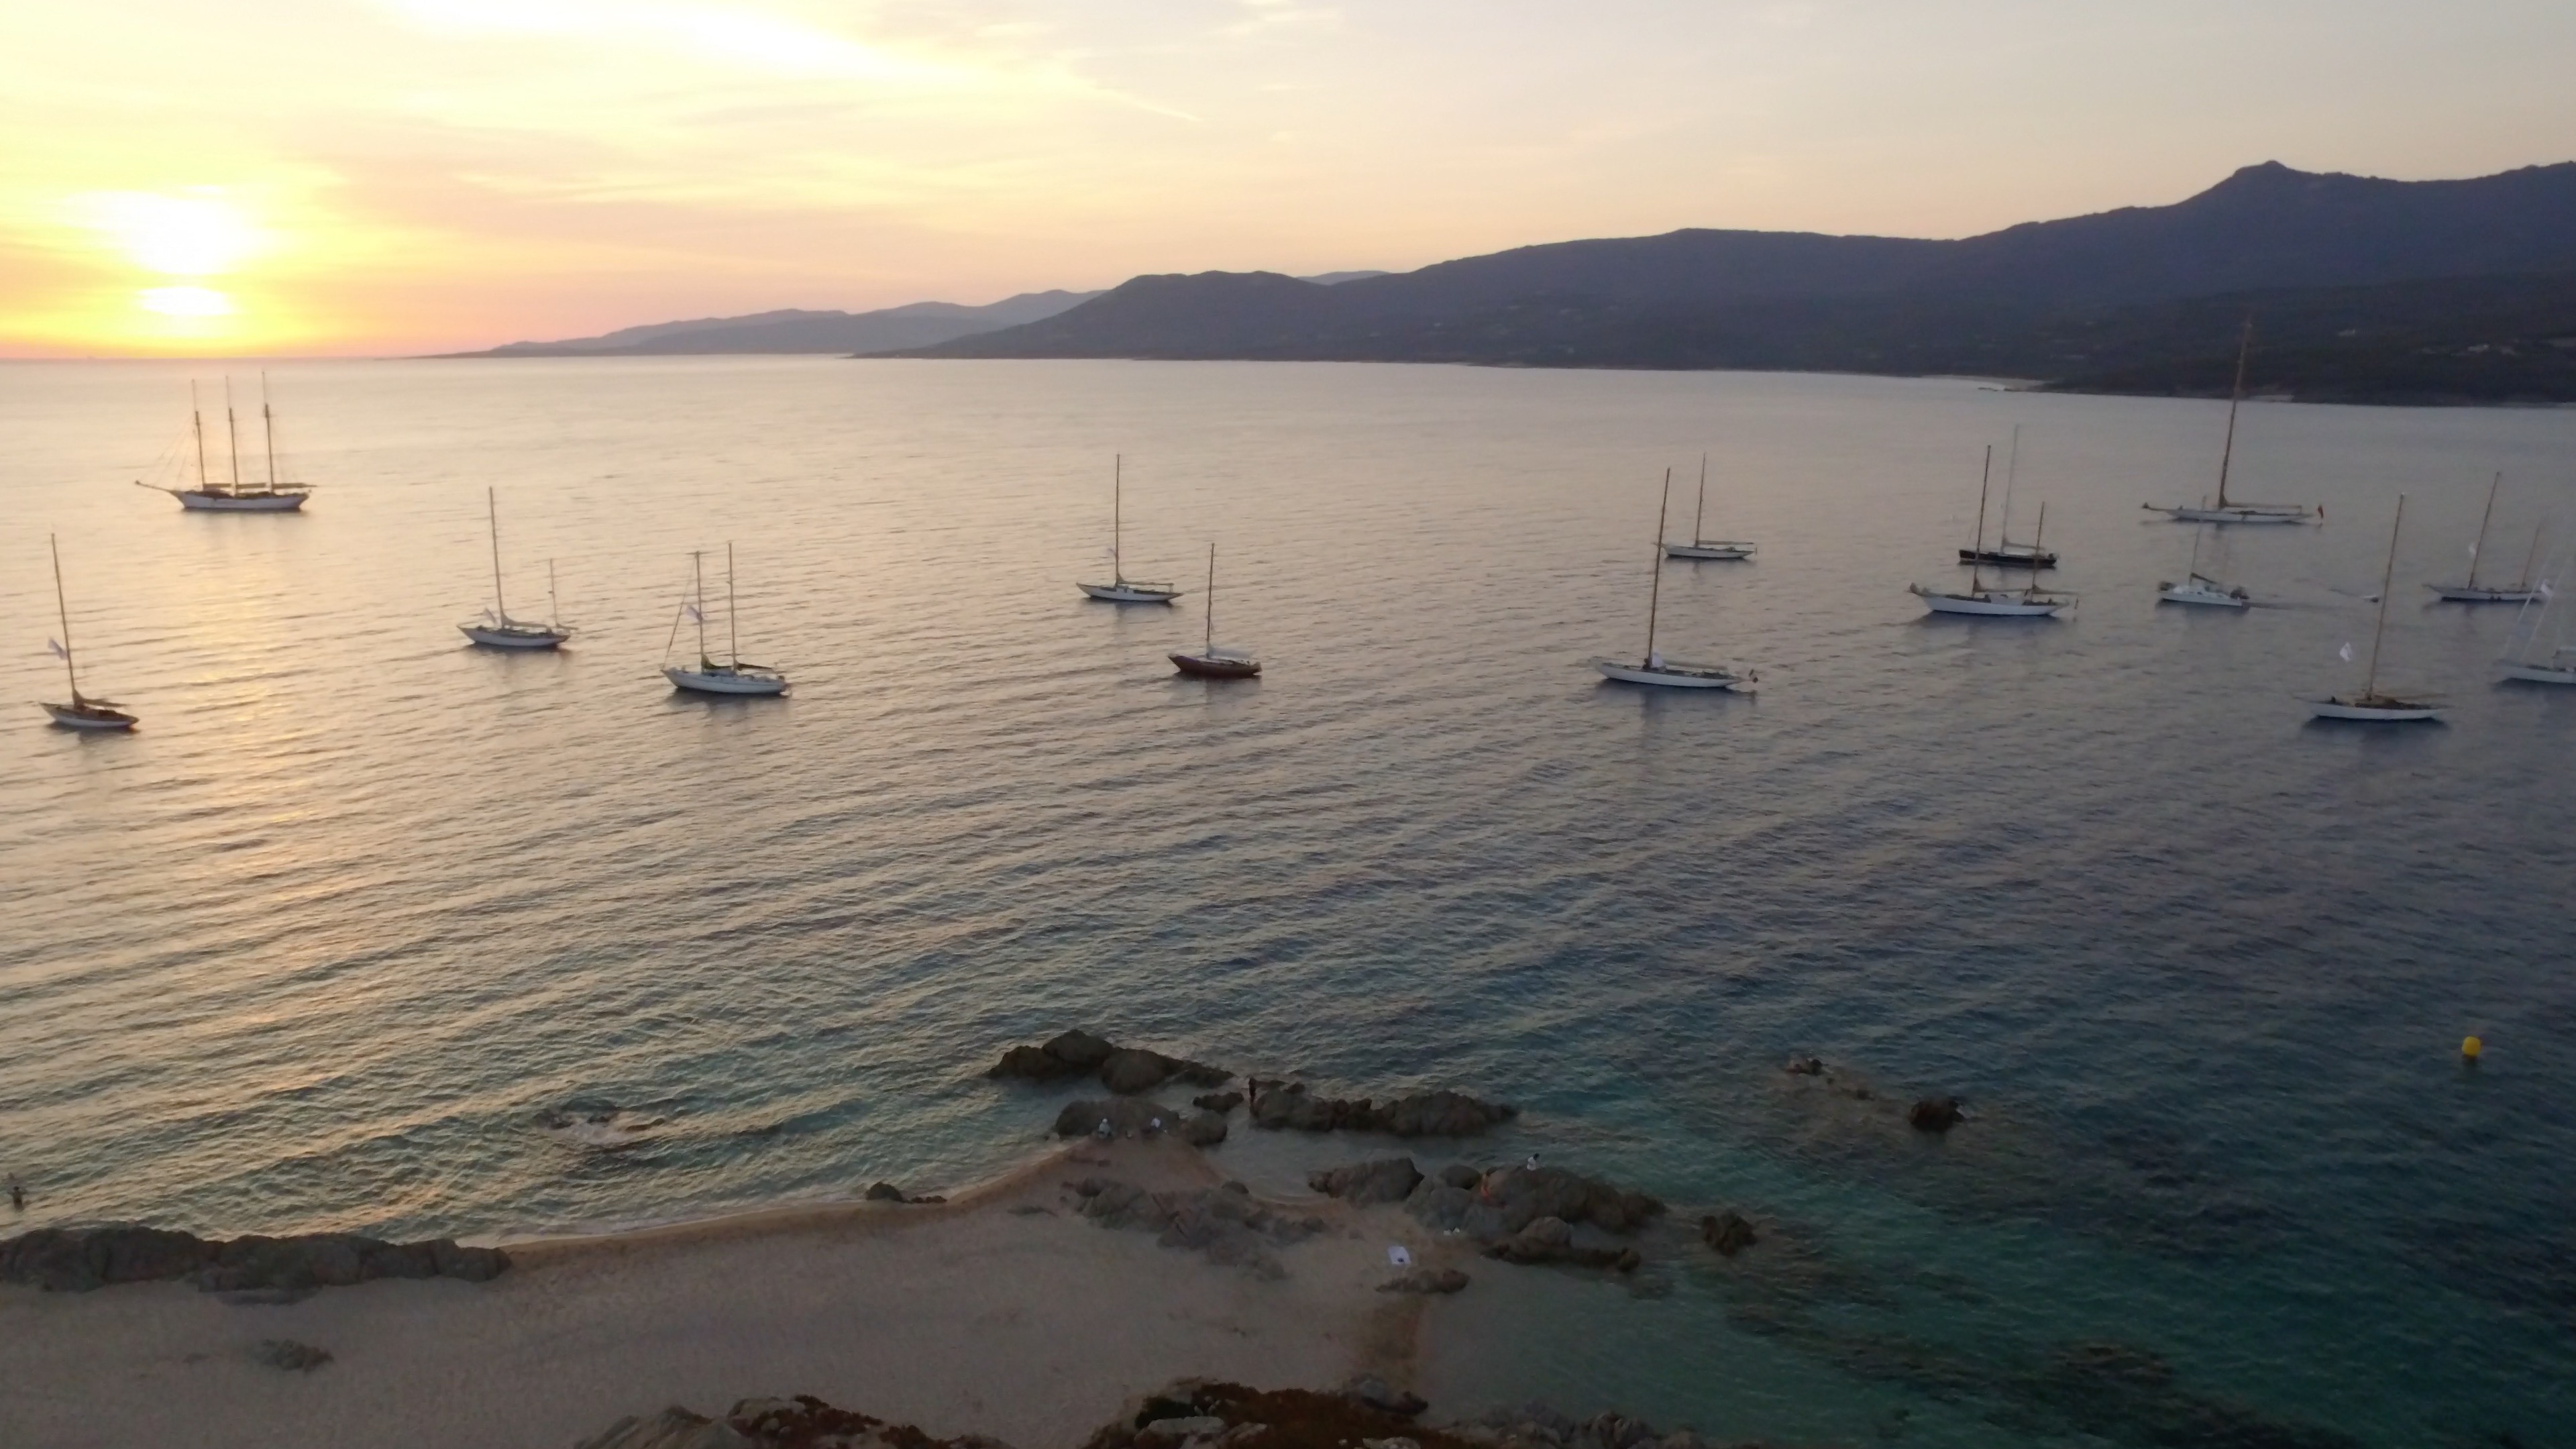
{"points": [[918, 324]]}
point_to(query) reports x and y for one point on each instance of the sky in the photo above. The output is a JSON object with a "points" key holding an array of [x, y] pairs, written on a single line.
{"points": [[357, 177]]}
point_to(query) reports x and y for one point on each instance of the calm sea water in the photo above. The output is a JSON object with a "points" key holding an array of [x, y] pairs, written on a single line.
{"points": [[360, 910]]}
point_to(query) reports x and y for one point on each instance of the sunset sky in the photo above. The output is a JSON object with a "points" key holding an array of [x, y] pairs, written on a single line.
{"points": [[361, 176]]}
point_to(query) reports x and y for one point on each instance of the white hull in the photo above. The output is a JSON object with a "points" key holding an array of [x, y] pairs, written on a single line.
{"points": [[1675, 675], [2379, 712], [2540, 674], [523, 636], [1992, 603], [239, 502], [2236, 513], [2463, 594], [2203, 595], [1127, 593], [747, 679], [92, 718], [1728, 552]]}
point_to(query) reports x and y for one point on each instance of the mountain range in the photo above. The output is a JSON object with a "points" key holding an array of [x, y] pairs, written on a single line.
{"points": [[2362, 289]]}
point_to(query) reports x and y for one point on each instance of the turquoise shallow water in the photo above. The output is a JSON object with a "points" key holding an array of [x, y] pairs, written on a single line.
{"points": [[334, 937]]}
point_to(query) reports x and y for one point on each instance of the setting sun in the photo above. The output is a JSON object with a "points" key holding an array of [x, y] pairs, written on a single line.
{"points": [[200, 233]]}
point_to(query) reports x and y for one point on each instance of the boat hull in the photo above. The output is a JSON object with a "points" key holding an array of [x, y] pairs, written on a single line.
{"points": [[1209, 666], [89, 717], [196, 501], [725, 681], [1123, 593], [1991, 605], [2375, 711], [2281, 513], [2017, 559], [2206, 598], [1674, 675], [2540, 674], [1721, 552], [2463, 594], [514, 638]]}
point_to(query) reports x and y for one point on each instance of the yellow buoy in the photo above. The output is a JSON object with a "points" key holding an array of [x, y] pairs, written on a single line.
{"points": [[2470, 1047]]}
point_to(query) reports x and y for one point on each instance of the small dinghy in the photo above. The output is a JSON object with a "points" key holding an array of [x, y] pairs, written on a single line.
{"points": [[83, 713], [2370, 706], [1122, 589], [1654, 668], [732, 676], [1214, 660]]}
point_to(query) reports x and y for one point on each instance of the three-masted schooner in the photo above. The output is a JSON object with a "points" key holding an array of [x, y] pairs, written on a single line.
{"points": [[233, 495]]}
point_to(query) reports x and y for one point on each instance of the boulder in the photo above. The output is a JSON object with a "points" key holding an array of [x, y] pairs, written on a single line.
{"points": [[1425, 1280], [1126, 1116], [1806, 1066], [79, 1259], [1177, 1430], [286, 1353], [1375, 1393], [1277, 1105], [1388, 1179], [888, 1192], [1728, 1232], [1079, 1049], [1226, 1223], [1203, 1129], [1130, 1071], [1439, 1206], [1934, 1114], [1522, 1195], [1460, 1174], [1441, 1114], [1218, 1101], [673, 1428]]}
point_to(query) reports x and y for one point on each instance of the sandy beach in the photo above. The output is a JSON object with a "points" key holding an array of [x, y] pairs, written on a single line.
{"points": [[1002, 1312]]}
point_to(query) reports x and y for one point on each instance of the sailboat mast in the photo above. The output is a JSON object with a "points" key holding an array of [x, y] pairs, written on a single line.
{"points": [[268, 428], [2235, 399], [698, 588], [2478, 551], [197, 421], [2012, 475], [733, 635], [1976, 558], [2528, 559], [1655, 590], [2035, 538], [554, 609], [1209, 645], [1117, 512], [1700, 519], [492, 501], [63, 613], [2370, 680], [232, 434]]}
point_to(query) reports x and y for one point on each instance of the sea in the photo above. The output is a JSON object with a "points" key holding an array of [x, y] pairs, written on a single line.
{"points": [[368, 929]]}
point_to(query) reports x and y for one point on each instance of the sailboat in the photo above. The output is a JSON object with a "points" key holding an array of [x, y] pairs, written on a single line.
{"points": [[2199, 588], [83, 713], [2471, 592], [2226, 510], [1977, 599], [1701, 547], [2370, 704], [2007, 553], [497, 629], [1655, 668], [1122, 589], [2524, 659], [732, 676], [233, 495], [1214, 660]]}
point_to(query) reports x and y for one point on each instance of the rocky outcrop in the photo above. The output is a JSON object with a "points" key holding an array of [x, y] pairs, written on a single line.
{"points": [[1124, 1116], [803, 1422], [1425, 1280], [1552, 1240], [1277, 1105], [888, 1192], [1934, 1114], [1217, 1101], [1124, 1070], [1203, 1129], [1727, 1232], [75, 1260], [1536, 1214], [287, 1354], [1389, 1179], [1226, 1223]]}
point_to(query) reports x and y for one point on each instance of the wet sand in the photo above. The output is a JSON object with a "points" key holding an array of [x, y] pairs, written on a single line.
{"points": [[1001, 1313]]}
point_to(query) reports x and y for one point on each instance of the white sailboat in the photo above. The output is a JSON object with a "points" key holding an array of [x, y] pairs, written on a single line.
{"points": [[2536, 655], [1122, 589], [83, 713], [2006, 553], [233, 495], [2199, 588], [1214, 660], [2370, 705], [496, 629], [1654, 668], [2472, 592], [1700, 547], [709, 677], [1996, 603], [2226, 510]]}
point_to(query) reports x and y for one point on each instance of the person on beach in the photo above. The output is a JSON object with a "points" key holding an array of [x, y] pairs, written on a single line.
{"points": [[17, 1193]]}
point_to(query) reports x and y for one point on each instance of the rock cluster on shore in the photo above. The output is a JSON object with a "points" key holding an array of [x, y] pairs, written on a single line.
{"points": [[1138, 1117], [1226, 1223], [75, 1260], [1519, 1214], [1365, 1414], [1126, 1071], [1277, 1105]]}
